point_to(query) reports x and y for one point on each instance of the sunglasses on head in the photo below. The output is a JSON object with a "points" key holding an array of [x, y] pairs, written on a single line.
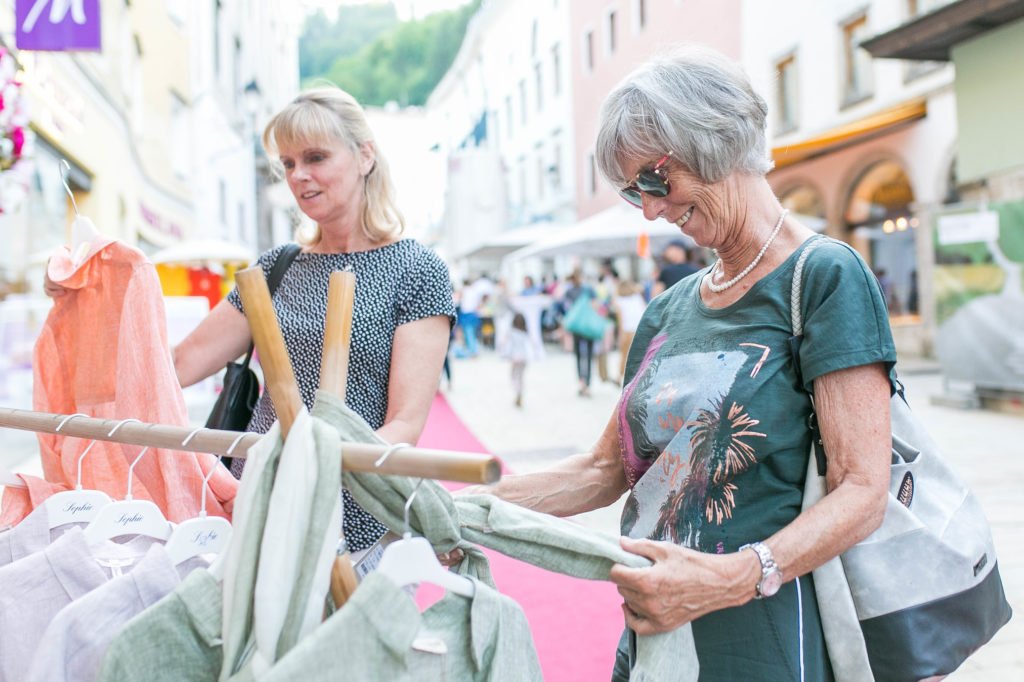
{"points": [[652, 181]]}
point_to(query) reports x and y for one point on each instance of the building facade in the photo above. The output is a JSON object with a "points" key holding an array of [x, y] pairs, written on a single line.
{"points": [[157, 126], [862, 147]]}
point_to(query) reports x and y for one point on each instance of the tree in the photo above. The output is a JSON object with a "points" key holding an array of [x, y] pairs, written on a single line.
{"points": [[403, 64]]}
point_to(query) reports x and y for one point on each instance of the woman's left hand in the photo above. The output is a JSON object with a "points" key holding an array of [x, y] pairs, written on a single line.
{"points": [[682, 585]]}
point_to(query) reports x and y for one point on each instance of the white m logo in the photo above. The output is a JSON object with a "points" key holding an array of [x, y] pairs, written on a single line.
{"points": [[58, 10]]}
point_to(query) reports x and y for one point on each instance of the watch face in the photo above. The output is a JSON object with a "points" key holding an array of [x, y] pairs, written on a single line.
{"points": [[771, 583]]}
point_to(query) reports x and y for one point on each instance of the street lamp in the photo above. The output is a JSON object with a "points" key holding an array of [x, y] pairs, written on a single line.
{"points": [[251, 93]]}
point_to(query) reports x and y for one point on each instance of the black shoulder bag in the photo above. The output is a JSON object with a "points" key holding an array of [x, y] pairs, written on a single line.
{"points": [[234, 406]]}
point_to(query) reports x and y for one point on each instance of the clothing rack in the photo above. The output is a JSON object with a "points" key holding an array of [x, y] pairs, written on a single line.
{"points": [[360, 457], [280, 382]]}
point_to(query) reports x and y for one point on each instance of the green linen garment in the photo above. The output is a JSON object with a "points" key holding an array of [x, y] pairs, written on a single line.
{"points": [[380, 635], [546, 541]]}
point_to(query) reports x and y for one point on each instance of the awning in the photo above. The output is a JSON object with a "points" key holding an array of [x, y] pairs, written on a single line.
{"points": [[933, 35], [851, 133], [204, 250], [612, 232], [497, 246]]}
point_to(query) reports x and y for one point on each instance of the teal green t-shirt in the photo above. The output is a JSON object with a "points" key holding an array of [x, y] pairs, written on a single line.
{"points": [[713, 423]]}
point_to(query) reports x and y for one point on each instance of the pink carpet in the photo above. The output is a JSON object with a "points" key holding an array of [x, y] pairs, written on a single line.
{"points": [[576, 624]]}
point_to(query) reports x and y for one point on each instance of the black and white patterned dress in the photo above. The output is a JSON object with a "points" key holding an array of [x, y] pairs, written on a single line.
{"points": [[395, 284]]}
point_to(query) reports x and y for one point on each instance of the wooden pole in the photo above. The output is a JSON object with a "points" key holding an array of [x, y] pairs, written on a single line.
{"points": [[444, 465], [341, 292], [278, 375]]}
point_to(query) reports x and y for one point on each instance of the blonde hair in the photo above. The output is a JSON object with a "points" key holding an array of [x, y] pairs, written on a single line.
{"points": [[330, 113]]}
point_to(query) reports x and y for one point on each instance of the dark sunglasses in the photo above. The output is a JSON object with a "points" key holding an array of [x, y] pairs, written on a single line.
{"points": [[653, 181]]}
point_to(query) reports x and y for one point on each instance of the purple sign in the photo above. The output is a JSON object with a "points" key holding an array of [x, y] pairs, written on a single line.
{"points": [[58, 25]]}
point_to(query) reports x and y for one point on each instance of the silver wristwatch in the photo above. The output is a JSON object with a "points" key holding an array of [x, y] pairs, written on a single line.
{"points": [[771, 576]]}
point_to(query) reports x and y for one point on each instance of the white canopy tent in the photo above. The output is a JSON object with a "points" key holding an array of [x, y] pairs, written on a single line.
{"points": [[507, 241], [204, 250], [612, 232]]}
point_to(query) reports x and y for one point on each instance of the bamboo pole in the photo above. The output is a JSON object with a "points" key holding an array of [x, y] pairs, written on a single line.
{"points": [[279, 377], [341, 292], [446, 465]]}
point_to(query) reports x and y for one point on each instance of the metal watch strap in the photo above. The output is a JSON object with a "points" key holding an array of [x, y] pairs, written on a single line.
{"points": [[768, 565]]}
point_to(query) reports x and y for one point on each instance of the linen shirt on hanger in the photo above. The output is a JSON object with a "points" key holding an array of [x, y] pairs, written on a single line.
{"points": [[176, 639], [103, 351], [37, 587], [78, 636], [30, 536], [380, 635]]}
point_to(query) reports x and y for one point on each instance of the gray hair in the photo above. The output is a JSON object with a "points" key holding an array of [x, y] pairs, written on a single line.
{"points": [[694, 102], [330, 113]]}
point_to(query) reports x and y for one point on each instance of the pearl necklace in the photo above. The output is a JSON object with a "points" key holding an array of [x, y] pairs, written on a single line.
{"points": [[719, 288]]}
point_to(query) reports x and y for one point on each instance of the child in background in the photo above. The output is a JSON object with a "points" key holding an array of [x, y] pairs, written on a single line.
{"points": [[517, 351]]}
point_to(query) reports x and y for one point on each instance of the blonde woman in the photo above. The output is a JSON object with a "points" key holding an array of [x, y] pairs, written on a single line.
{"points": [[403, 308]]}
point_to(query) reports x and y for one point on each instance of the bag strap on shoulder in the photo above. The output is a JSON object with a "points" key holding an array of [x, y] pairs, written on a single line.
{"points": [[797, 322], [281, 264]]}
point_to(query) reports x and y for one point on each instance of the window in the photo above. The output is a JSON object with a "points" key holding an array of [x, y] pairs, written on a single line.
{"points": [[522, 101], [222, 201], [179, 136], [611, 31], [786, 95], [556, 70], [556, 164], [857, 62], [508, 115], [538, 76], [541, 172], [915, 68], [588, 50], [216, 36], [522, 181]]}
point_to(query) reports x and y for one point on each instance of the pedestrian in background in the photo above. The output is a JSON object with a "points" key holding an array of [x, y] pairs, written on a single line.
{"points": [[629, 304], [517, 349], [710, 437], [675, 265], [582, 347]]}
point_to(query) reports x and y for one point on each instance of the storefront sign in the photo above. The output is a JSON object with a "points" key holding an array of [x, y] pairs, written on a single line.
{"points": [[162, 227], [965, 228], [58, 25]]}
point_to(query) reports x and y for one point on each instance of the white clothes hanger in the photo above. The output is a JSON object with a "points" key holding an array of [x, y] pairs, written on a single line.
{"points": [[78, 505], [411, 561], [128, 516], [216, 567], [83, 230], [202, 534]]}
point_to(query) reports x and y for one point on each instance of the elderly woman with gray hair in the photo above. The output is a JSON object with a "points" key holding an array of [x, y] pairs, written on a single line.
{"points": [[710, 437]]}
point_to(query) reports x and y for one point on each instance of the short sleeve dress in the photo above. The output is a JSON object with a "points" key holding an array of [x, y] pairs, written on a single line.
{"points": [[714, 441], [395, 284]]}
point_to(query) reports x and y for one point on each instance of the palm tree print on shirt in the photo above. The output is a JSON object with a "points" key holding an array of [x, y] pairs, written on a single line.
{"points": [[719, 453]]}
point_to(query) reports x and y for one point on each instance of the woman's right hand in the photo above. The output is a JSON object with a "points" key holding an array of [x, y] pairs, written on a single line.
{"points": [[51, 288]]}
